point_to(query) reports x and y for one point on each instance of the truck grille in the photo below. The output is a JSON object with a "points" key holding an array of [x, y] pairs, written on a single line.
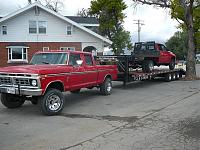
{"points": [[5, 80], [22, 82], [15, 81]]}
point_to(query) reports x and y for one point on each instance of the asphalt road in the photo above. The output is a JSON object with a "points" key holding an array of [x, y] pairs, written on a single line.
{"points": [[144, 115]]}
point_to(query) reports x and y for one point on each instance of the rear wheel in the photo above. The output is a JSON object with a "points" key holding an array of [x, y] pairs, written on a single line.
{"points": [[172, 64], [11, 101], [52, 103], [106, 87], [148, 66]]}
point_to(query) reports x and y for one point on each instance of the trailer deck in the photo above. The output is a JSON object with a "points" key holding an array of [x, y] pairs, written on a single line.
{"points": [[127, 73]]}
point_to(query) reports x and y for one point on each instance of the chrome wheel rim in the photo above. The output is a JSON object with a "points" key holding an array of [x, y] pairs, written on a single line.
{"points": [[109, 87], [53, 102]]}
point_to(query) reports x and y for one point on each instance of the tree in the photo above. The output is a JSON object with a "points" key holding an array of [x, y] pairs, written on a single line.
{"points": [[187, 9], [178, 45], [110, 15], [55, 5]]}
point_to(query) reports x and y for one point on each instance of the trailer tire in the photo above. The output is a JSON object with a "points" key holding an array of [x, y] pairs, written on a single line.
{"points": [[177, 75], [168, 77], [106, 87], [11, 101], [148, 65], [52, 103], [75, 91], [173, 76], [172, 64]]}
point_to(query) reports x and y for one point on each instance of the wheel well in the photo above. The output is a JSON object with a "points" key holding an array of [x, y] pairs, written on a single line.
{"points": [[108, 76], [56, 85]]}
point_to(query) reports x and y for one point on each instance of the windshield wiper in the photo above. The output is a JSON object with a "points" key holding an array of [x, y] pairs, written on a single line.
{"points": [[44, 62]]}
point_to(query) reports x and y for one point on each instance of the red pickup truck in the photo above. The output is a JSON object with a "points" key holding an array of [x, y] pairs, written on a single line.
{"points": [[51, 73]]}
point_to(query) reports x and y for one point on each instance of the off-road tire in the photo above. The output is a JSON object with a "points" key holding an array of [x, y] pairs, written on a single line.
{"points": [[47, 104], [11, 101], [106, 87], [172, 64], [148, 65], [75, 91]]}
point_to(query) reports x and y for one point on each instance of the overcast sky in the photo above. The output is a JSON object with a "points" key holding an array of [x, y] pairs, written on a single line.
{"points": [[158, 24]]}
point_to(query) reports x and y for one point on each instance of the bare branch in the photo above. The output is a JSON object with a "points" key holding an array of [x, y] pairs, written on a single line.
{"points": [[159, 3]]}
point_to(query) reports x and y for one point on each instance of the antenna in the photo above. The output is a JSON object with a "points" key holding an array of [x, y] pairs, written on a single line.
{"points": [[140, 23]]}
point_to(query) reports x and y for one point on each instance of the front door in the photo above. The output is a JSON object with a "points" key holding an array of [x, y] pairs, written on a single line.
{"points": [[90, 70], [77, 76]]}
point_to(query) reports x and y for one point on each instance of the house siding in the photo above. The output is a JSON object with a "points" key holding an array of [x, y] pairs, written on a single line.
{"points": [[18, 29], [33, 48]]}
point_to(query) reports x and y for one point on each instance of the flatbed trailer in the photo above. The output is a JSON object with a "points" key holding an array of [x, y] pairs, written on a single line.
{"points": [[127, 73]]}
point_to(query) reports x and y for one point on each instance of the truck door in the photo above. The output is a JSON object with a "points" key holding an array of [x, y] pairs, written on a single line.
{"points": [[76, 79], [90, 70], [164, 54]]}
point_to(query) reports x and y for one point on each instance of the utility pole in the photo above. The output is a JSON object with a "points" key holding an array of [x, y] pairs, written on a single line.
{"points": [[140, 23]]}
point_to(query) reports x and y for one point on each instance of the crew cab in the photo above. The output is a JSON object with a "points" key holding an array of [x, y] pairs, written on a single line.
{"points": [[51, 73], [150, 54]]}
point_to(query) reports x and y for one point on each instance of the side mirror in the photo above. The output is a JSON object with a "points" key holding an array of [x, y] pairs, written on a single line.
{"points": [[79, 62]]}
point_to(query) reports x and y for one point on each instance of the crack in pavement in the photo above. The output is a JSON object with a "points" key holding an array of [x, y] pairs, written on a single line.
{"points": [[121, 126]]}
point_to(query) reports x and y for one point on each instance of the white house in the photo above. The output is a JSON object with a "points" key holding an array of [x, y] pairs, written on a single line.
{"points": [[36, 27]]}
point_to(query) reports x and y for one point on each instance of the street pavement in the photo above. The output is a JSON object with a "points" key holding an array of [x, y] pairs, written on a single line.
{"points": [[146, 115]]}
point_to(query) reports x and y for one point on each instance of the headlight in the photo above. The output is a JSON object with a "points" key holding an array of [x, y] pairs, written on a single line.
{"points": [[33, 82]]}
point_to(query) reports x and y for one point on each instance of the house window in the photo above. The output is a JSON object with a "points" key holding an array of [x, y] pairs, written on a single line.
{"points": [[67, 48], [42, 27], [37, 27], [69, 30], [17, 53], [45, 48], [32, 27], [4, 30]]}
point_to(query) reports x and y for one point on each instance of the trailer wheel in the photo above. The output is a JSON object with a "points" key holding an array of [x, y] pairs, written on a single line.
{"points": [[148, 66], [52, 103], [177, 75], [173, 76], [76, 91], [106, 87], [172, 64], [11, 101], [168, 77]]}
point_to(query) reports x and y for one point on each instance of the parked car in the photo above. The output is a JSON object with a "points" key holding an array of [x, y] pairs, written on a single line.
{"points": [[49, 74], [150, 54]]}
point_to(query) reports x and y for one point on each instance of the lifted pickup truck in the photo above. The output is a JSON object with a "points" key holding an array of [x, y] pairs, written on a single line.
{"points": [[51, 73], [150, 54]]}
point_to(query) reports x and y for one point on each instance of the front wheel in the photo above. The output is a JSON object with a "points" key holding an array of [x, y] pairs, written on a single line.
{"points": [[52, 103], [11, 101], [106, 87], [172, 64]]}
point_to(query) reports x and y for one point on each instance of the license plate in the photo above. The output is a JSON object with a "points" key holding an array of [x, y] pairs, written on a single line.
{"points": [[11, 90]]}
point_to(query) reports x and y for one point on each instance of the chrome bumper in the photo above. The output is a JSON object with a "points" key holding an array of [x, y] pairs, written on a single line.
{"points": [[20, 90]]}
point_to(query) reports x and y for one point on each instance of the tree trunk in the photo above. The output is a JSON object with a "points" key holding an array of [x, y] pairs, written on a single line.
{"points": [[191, 55]]}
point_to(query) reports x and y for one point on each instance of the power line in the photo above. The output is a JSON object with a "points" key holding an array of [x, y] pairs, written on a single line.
{"points": [[140, 23]]}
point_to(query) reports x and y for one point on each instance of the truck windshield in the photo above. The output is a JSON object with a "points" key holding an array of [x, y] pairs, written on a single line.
{"points": [[49, 58]]}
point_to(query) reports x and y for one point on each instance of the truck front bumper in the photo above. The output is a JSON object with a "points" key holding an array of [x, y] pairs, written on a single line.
{"points": [[20, 90]]}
